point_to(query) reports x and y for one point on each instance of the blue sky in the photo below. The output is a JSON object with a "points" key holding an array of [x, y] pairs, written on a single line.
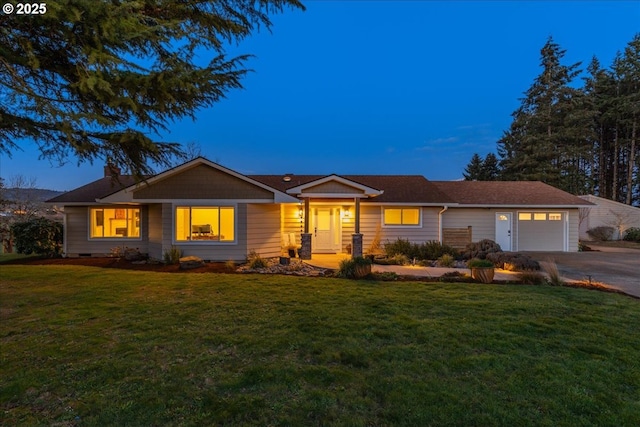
{"points": [[379, 87]]}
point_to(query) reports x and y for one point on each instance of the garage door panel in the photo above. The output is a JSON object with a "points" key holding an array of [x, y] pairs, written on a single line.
{"points": [[536, 232]]}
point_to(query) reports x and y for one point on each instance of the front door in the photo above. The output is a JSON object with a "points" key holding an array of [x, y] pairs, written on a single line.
{"points": [[503, 230], [324, 230]]}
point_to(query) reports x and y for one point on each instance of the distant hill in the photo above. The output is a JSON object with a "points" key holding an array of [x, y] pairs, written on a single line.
{"points": [[34, 194]]}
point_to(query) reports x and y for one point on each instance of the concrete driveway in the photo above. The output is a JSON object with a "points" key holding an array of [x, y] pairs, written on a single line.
{"points": [[616, 267]]}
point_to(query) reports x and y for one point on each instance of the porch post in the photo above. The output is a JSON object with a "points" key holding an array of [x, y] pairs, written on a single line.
{"points": [[356, 238], [305, 238], [306, 215], [357, 230]]}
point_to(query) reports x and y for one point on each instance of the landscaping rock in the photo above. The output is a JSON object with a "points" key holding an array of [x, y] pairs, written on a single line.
{"points": [[190, 262], [295, 267]]}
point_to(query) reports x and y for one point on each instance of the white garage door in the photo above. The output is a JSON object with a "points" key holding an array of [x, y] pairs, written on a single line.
{"points": [[542, 231]]}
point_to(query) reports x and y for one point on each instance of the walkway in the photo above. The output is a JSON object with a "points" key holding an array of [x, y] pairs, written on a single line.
{"points": [[332, 261]]}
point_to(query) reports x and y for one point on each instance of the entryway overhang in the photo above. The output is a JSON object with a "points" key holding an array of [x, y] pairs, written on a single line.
{"points": [[334, 186], [327, 189]]}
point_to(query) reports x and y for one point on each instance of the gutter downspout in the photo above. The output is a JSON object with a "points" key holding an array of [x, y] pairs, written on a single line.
{"points": [[444, 209]]}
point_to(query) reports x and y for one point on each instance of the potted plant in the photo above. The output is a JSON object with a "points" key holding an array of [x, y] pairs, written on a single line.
{"points": [[482, 270], [361, 266], [292, 251]]}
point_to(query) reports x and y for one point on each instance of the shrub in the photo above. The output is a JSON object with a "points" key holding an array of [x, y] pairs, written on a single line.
{"points": [[352, 268], [479, 263], [532, 278], [39, 236], [553, 274], [399, 259], [582, 247], [172, 256], [601, 234], [513, 261], [632, 234], [480, 249], [431, 249], [446, 260], [255, 261], [399, 247], [230, 266]]}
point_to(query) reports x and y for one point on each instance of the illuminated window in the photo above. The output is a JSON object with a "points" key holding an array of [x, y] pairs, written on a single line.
{"points": [[115, 223], [555, 216], [539, 216], [503, 218], [402, 216], [207, 223], [524, 216]]}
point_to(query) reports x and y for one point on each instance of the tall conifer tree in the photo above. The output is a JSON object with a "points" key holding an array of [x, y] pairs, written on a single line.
{"points": [[536, 145]]}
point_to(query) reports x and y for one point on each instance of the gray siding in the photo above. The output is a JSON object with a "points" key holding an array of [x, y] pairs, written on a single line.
{"points": [[155, 231], [573, 230], [291, 222], [483, 224], [263, 229], [333, 187], [202, 182], [608, 213], [373, 216], [482, 221], [77, 234]]}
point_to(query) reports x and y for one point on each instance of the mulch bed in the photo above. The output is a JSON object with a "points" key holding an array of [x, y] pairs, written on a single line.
{"points": [[210, 267]]}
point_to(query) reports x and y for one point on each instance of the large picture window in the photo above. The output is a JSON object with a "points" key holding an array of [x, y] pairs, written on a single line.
{"points": [[401, 216], [115, 223], [206, 223]]}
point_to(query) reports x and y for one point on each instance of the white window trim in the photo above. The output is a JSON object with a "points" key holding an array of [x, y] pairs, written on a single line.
{"points": [[111, 239], [176, 242], [419, 225]]}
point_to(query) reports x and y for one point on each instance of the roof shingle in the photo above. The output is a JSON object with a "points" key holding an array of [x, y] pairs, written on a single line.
{"points": [[532, 193], [397, 188]]}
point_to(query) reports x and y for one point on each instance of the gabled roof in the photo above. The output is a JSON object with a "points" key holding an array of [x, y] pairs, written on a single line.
{"points": [[100, 188], [508, 193], [333, 185], [397, 188], [125, 195]]}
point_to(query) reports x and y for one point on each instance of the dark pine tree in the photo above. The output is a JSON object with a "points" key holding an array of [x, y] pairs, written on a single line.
{"points": [[490, 168], [536, 146], [93, 79], [473, 171]]}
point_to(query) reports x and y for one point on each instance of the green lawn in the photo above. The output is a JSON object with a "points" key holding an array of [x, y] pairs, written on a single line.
{"points": [[87, 346]]}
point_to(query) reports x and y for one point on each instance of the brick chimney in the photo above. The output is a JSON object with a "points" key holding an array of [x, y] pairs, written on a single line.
{"points": [[111, 170]]}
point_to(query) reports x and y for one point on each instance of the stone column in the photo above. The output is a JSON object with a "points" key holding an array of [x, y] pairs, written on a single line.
{"points": [[305, 250], [356, 244]]}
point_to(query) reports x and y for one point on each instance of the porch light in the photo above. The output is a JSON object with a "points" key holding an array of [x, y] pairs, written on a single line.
{"points": [[300, 212], [347, 213]]}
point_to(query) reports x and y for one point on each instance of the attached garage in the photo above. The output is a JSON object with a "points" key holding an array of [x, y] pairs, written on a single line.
{"points": [[542, 231], [519, 215]]}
